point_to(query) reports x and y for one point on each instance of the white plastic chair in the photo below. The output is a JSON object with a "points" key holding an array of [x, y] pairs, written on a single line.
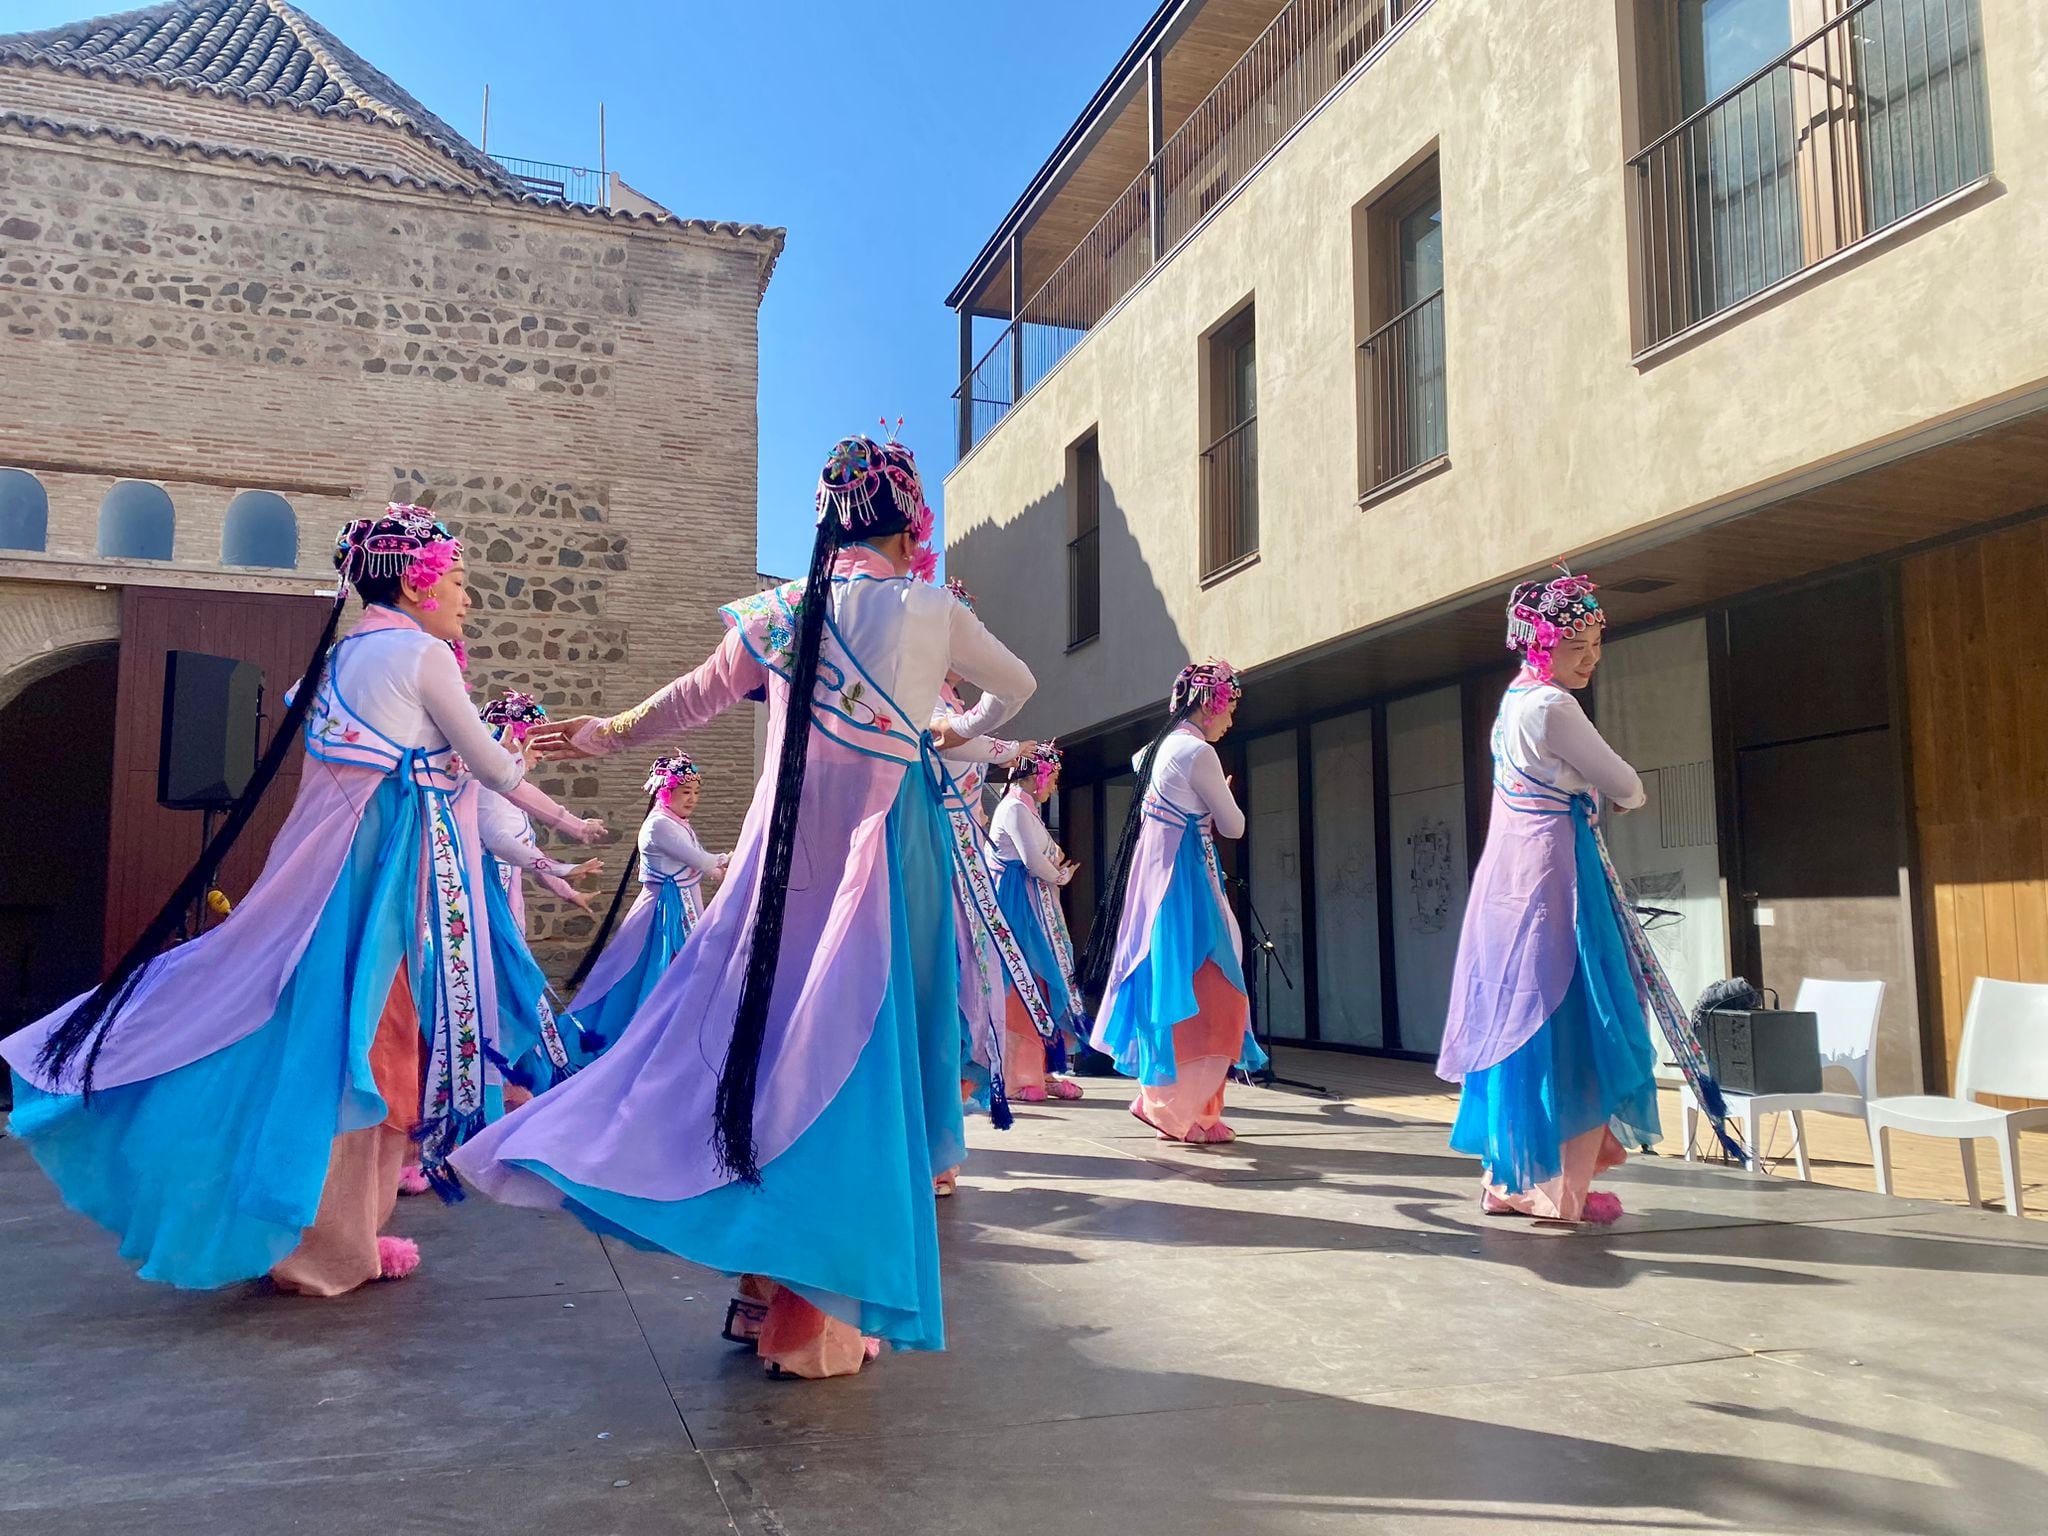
{"points": [[2005, 1051], [1846, 1012]]}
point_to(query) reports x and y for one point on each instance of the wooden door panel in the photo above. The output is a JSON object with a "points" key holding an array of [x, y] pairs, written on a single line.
{"points": [[150, 848]]}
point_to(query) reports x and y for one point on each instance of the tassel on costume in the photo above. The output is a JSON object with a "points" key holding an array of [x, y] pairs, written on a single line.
{"points": [[516, 1076], [589, 1041], [437, 1139]]}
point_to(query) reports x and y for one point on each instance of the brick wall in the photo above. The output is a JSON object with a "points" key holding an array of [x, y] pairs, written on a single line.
{"points": [[578, 397]]}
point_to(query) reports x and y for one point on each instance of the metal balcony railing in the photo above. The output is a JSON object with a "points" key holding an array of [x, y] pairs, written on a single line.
{"points": [[1230, 498], [1295, 64], [562, 183], [1873, 117], [1401, 393]]}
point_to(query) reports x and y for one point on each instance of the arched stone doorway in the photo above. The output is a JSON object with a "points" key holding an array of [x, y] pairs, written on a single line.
{"points": [[45, 626], [56, 766]]}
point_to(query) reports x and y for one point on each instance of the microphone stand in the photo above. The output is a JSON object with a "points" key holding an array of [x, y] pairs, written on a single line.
{"points": [[1262, 989]]}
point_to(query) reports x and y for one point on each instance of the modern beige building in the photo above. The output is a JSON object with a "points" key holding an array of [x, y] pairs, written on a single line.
{"points": [[1330, 320], [251, 288]]}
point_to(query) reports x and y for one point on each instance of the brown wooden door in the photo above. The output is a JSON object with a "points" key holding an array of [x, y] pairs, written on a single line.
{"points": [[150, 848], [1977, 684]]}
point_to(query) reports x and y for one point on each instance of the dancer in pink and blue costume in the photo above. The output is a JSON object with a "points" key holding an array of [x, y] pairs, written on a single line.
{"points": [[1165, 954], [623, 967], [781, 1102], [239, 1104], [1031, 871], [1546, 1030], [992, 963], [534, 1029]]}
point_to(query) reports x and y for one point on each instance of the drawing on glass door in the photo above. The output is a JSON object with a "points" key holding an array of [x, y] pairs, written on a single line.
{"points": [[1429, 875]]}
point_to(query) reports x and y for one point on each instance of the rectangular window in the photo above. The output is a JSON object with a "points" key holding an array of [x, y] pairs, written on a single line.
{"points": [[1779, 132], [1230, 464], [1084, 541], [1401, 386]]}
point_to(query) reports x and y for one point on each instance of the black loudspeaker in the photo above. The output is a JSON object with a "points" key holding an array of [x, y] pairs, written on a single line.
{"points": [[1763, 1050], [213, 707]]}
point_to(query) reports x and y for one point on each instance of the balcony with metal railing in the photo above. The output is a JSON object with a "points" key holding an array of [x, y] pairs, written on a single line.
{"points": [[1876, 116], [1309, 49], [560, 183]]}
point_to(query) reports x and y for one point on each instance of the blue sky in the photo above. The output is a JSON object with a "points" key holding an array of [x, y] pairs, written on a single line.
{"points": [[888, 139]]}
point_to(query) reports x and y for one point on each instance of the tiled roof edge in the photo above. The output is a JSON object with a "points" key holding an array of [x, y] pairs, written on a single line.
{"points": [[769, 236]]}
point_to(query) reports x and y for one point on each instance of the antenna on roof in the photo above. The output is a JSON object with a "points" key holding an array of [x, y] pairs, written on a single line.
{"points": [[485, 141], [604, 174]]}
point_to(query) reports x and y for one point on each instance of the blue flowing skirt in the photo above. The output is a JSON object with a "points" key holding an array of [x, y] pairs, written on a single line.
{"points": [[1014, 896], [522, 989], [892, 1125], [1188, 932], [1591, 1063], [209, 1173], [604, 1021]]}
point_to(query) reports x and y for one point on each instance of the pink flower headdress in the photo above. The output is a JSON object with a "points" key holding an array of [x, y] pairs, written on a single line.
{"points": [[1210, 686], [852, 483], [1543, 613], [407, 541], [1039, 766], [514, 713], [669, 771]]}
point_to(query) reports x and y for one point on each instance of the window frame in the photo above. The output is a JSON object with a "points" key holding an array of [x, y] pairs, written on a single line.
{"points": [[1084, 543], [1231, 436]]}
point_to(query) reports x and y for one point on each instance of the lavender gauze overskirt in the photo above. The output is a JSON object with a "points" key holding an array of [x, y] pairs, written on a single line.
{"points": [[1518, 947], [638, 1121]]}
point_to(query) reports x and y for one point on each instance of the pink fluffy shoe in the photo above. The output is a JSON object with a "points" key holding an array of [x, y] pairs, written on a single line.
{"points": [[411, 1181], [1210, 1135], [1063, 1088], [397, 1257], [1032, 1095], [1601, 1208]]}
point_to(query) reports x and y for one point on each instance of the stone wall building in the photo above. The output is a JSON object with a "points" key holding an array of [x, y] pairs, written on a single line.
{"points": [[250, 288]]}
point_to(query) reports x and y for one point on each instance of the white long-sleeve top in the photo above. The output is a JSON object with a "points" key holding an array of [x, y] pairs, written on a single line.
{"points": [[508, 834], [1544, 732], [405, 684], [1188, 773], [669, 850], [1021, 838]]}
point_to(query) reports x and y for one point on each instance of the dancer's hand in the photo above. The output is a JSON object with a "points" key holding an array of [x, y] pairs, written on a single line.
{"points": [[584, 871], [583, 902], [594, 831], [555, 741], [945, 738]]}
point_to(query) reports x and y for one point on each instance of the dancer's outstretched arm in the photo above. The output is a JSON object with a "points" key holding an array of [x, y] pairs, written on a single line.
{"points": [[725, 678], [542, 806]]}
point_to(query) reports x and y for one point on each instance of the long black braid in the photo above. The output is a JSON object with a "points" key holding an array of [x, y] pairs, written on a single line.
{"points": [[87, 1027], [873, 509], [1092, 974], [603, 936]]}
